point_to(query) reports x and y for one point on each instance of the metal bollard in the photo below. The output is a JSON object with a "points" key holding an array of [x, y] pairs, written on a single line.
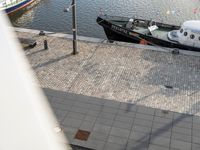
{"points": [[45, 44], [42, 33], [175, 51]]}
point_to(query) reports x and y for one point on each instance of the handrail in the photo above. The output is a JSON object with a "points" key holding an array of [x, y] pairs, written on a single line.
{"points": [[5, 5]]}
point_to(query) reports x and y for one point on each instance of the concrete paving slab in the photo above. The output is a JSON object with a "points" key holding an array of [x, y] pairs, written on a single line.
{"points": [[162, 132], [176, 144]]}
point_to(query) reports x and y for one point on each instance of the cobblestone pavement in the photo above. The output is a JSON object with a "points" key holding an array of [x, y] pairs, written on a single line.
{"points": [[149, 78], [113, 125]]}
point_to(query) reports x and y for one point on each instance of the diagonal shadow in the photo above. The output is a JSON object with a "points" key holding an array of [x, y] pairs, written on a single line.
{"points": [[160, 91], [130, 105], [52, 61], [142, 142], [146, 139], [36, 52]]}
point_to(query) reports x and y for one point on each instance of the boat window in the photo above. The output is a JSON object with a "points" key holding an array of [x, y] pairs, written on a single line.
{"points": [[192, 36], [185, 33], [181, 31], [199, 38]]}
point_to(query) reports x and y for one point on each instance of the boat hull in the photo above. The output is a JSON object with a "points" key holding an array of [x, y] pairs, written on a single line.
{"points": [[117, 33], [18, 6]]}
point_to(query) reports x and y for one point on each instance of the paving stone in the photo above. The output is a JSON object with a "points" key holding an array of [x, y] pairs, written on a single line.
{"points": [[144, 116], [162, 126], [82, 105], [158, 140], [70, 96], [122, 125], [142, 122], [183, 117], [163, 120], [79, 110], [79, 143], [179, 130], [91, 119], [163, 130], [96, 107], [60, 114], [111, 110], [180, 145], [111, 103], [104, 121], [125, 113], [123, 133], [69, 137], [183, 124], [55, 100], [134, 145], [67, 102], [196, 140], [141, 129], [124, 119], [161, 133], [55, 94], [195, 146], [95, 144], [181, 137], [196, 120], [196, 133], [196, 126], [93, 113], [76, 115], [106, 115], [139, 136], [145, 110], [118, 140], [157, 147], [99, 136], [164, 113], [94, 100], [70, 130], [76, 123], [101, 128], [128, 107], [61, 106], [87, 126], [112, 146], [66, 95]]}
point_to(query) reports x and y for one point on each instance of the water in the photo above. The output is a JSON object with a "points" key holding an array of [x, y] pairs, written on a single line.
{"points": [[49, 15]]}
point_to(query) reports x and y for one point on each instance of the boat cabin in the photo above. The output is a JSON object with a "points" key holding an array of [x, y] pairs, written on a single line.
{"points": [[188, 34]]}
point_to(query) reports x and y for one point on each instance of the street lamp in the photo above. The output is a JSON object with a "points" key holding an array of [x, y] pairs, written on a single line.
{"points": [[74, 25]]}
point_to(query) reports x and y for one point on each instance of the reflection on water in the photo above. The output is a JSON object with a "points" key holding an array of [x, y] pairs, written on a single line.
{"points": [[48, 14]]}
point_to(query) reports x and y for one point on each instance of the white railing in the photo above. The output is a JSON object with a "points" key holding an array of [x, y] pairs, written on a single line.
{"points": [[7, 3]]}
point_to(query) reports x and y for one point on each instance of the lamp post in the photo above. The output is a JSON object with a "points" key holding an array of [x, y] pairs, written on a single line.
{"points": [[74, 28]]}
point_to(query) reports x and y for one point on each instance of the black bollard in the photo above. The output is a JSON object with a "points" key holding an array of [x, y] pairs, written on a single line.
{"points": [[175, 51], [45, 44], [42, 33]]}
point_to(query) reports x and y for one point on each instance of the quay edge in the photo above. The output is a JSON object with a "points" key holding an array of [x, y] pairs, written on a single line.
{"points": [[105, 41]]}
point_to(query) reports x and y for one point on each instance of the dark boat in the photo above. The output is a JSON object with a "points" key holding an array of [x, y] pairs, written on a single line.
{"points": [[150, 32]]}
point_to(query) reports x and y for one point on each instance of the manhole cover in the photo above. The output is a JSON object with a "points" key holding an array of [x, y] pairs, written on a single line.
{"points": [[82, 135]]}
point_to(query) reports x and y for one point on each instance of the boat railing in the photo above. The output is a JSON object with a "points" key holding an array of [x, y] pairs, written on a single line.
{"points": [[4, 3]]}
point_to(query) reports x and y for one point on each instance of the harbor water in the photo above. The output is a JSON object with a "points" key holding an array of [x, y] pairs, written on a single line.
{"points": [[49, 15]]}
